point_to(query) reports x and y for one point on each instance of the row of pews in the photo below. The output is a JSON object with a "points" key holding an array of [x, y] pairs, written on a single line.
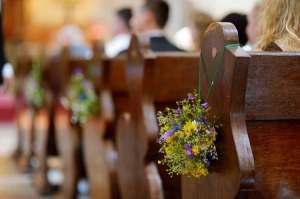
{"points": [[255, 94]]}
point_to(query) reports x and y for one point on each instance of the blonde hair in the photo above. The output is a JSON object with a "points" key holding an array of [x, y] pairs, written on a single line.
{"points": [[200, 21], [280, 20]]}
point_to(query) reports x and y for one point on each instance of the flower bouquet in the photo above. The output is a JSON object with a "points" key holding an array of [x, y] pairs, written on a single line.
{"points": [[33, 90], [82, 98], [187, 138]]}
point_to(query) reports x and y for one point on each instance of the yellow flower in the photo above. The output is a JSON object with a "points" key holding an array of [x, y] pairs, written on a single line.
{"points": [[184, 108], [179, 134], [195, 149], [187, 126], [188, 133]]}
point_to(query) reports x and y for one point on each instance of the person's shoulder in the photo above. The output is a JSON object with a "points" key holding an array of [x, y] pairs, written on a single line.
{"points": [[162, 44], [272, 47]]}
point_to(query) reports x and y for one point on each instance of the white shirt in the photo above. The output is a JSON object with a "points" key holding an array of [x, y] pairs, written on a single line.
{"points": [[154, 33], [7, 71], [118, 44]]}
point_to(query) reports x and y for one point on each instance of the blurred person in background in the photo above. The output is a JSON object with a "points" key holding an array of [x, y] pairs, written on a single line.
{"points": [[240, 22], [121, 33], [149, 19], [71, 36], [253, 28], [280, 24], [198, 23]]}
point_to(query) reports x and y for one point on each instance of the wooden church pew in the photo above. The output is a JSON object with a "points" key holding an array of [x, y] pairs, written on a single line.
{"points": [[113, 95], [69, 136], [272, 108], [33, 128], [155, 80], [232, 175], [264, 108], [24, 117]]}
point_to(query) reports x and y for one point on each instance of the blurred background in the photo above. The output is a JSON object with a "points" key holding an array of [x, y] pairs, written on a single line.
{"points": [[33, 24]]}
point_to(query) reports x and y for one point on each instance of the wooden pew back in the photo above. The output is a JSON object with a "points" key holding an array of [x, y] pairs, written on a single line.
{"points": [[273, 122], [159, 80], [232, 175]]}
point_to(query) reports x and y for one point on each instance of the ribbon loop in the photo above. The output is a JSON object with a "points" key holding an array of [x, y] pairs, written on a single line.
{"points": [[215, 72]]}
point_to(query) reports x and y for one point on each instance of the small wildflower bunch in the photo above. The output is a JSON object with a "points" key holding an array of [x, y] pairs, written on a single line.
{"points": [[33, 90], [187, 138], [82, 98]]}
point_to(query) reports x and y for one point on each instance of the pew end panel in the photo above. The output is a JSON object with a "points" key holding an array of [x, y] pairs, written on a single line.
{"points": [[137, 178], [232, 175]]}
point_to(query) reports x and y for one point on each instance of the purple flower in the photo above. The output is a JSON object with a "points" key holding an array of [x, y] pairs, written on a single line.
{"points": [[190, 97], [159, 140], [77, 70], [179, 111], [182, 165], [87, 85], [212, 131], [188, 151], [165, 136], [205, 105], [172, 122]]}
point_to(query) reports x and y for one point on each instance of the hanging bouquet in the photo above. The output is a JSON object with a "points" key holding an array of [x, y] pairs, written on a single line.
{"points": [[187, 138], [33, 90], [82, 98]]}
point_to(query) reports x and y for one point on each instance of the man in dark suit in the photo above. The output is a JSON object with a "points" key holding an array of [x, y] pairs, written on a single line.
{"points": [[150, 18]]}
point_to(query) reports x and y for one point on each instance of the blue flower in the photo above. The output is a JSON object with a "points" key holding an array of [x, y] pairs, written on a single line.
{"points": [[203, 121], [177, 128], [190, 97], [210, 156], [189, 152], [82, 97], [208, 163]]}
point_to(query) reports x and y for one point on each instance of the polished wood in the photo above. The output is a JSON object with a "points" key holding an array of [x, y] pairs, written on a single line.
{"points": [[273, 122], [131, 140], [33, 127], [261, 103], [68, 135], [99, 155], [24, 116], [233, 174], [150, 77]]}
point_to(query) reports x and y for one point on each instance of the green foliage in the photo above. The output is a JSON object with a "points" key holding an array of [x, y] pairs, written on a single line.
{"points": [[33, 90]]}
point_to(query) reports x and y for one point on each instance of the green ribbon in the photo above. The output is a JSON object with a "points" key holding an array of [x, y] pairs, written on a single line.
{"points": [[215, 73]]}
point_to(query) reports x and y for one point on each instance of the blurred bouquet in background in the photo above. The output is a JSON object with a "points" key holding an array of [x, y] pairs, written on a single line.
{"points": [[82, 98], [33, 90]]}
